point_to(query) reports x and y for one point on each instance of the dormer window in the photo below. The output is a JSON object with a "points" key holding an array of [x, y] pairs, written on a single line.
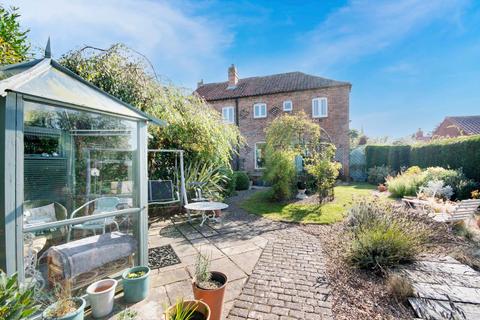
{"points": [[260, 110], [287, 105]]}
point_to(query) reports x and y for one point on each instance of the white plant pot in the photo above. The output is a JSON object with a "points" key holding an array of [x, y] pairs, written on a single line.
{"points": [[102, 295], [301, 194]]}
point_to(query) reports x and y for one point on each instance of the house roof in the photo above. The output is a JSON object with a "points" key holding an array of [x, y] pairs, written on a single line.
{"points": [[277, 83], [466, 124], [46, 78]]}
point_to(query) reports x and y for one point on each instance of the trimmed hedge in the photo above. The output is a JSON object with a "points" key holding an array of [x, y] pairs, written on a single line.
{"points": [[453, 153], [242, 181]]}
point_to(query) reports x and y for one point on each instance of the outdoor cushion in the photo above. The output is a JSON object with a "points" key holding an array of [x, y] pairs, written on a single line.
{"points": [[89, 253], [40, 214]]}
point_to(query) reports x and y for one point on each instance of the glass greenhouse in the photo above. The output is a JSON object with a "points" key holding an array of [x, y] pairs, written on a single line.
{"points": [[74, 188]]}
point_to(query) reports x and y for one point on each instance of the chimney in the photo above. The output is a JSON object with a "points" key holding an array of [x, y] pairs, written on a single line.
{"points": [[200, 83], [419, 134], [232, 77]]}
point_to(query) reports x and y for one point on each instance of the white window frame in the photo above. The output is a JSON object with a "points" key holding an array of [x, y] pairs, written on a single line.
{"points": [[319, 101], [291, 105], [261, 106], [225, 119], [255, 155]]}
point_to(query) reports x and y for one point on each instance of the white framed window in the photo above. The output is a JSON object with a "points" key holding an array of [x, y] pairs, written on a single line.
{"points": [[228, 115], [319, 107], [259, 156], [260, 110], [287, 105]]}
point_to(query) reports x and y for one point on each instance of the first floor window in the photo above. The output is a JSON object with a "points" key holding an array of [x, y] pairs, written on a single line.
{"points": [[260, 110], [319, 107], [287, 105], [228, 115], [259, 155]]}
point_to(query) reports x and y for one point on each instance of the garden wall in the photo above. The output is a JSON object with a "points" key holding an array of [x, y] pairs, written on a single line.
{"points": [[449, 153]]}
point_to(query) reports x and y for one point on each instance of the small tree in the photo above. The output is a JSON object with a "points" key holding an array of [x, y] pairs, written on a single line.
{"points": [[14, 45], [325, 170], [286, 137]]}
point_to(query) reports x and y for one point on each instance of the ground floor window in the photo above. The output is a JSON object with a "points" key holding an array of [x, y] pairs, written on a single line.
{"points": [[259, 155]]}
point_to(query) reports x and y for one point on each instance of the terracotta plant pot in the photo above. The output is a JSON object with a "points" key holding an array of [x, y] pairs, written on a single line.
{"points": [[200, 306], [213, 297], [381, 188]]}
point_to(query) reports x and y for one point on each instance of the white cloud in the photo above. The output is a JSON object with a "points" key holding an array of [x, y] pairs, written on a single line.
{"points": [[365, 27], [181, 45]]}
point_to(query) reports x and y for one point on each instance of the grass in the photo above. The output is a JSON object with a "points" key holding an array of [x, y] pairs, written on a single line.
{"points": [[260, 204]]}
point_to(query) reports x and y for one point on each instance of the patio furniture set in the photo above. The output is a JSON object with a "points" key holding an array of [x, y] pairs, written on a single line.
{"points": [[460, 211]]}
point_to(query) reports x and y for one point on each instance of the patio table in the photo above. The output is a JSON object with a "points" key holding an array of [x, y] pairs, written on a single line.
{"points": [[206, 207]]}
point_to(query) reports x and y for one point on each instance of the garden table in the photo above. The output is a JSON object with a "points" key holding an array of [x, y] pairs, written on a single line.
{"points": [[205, 208]]}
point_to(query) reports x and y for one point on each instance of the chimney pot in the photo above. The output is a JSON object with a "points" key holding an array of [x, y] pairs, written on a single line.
{"points": [[232, 76], [200, 83]]}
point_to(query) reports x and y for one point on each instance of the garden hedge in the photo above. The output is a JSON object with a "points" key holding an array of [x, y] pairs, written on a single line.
{"points": [[454, 153]]}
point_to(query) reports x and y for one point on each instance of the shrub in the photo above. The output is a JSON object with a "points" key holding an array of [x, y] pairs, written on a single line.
{"points": [[325, 171], [383, 236], [413, 170], [242, 180], [404, 184], [281, 174], [17, 302], [436, 189], [475, 194], [399, 288], [231, 183], [211, 176], [377, 174], [462, 187]]}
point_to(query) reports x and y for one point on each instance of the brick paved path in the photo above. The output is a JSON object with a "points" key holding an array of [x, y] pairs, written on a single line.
{"points": [[288, 281]]}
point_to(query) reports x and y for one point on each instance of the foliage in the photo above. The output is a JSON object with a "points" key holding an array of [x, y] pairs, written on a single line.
{"points": [[64, 304], [377, 174], [14, 45], [261, 204], [399, 288], [404, 184], [210, 176], [16, 302], [231, 184], [202, 269], [182, 311], [242, 180], [127, 314], [453, 153], [192, 125], [413, 170], [383, 235], [286, 137], [325, 170], [475, 194], [135, 275], [436, 189]]}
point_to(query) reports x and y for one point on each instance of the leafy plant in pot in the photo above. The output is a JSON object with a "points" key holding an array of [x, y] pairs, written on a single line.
{"points": [[209, 286], [136, 283], [66, 307], [17, 301], [188, 310]]}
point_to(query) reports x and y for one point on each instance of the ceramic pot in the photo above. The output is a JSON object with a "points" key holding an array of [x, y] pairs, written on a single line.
{"points": [[212, 297], [199, 306], [101, 295], [136, 289], [76, 315]]}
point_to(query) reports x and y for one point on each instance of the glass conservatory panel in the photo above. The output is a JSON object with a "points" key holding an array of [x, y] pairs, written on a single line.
{"points": [[56, 85], [55, 259], [78, 164]]}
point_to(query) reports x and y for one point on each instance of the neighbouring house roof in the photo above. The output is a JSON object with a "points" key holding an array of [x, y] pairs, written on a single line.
{"points": [[46, 78], [467, 124], [277, 83]]}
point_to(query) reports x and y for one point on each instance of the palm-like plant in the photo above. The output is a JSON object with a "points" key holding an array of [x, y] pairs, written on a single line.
{"points": [[210, 176], [182, 311]]}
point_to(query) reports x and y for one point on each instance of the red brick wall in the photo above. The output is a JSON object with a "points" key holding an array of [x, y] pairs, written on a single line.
{"points": [[447, 129], [336, 124]]}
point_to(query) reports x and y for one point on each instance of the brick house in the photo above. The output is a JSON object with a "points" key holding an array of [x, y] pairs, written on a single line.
{"points": [[458, 126], [252, 103]]}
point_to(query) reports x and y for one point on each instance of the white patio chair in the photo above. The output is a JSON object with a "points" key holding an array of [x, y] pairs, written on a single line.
{"points": [[464, 210], [102, 205]]}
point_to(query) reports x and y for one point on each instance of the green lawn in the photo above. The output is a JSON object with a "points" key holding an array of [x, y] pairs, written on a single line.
{"points": [[260, 204]]}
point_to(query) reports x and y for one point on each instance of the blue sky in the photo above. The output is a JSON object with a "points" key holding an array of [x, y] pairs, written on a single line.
{"points": [[411, 62]]}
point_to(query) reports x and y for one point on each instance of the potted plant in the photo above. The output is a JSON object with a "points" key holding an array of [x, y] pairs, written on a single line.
{"points": [[101, 295], [136, 282], [65, 307], [188, 310], [18, 302], [381, 187], [209, 286], [302, 188]]}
